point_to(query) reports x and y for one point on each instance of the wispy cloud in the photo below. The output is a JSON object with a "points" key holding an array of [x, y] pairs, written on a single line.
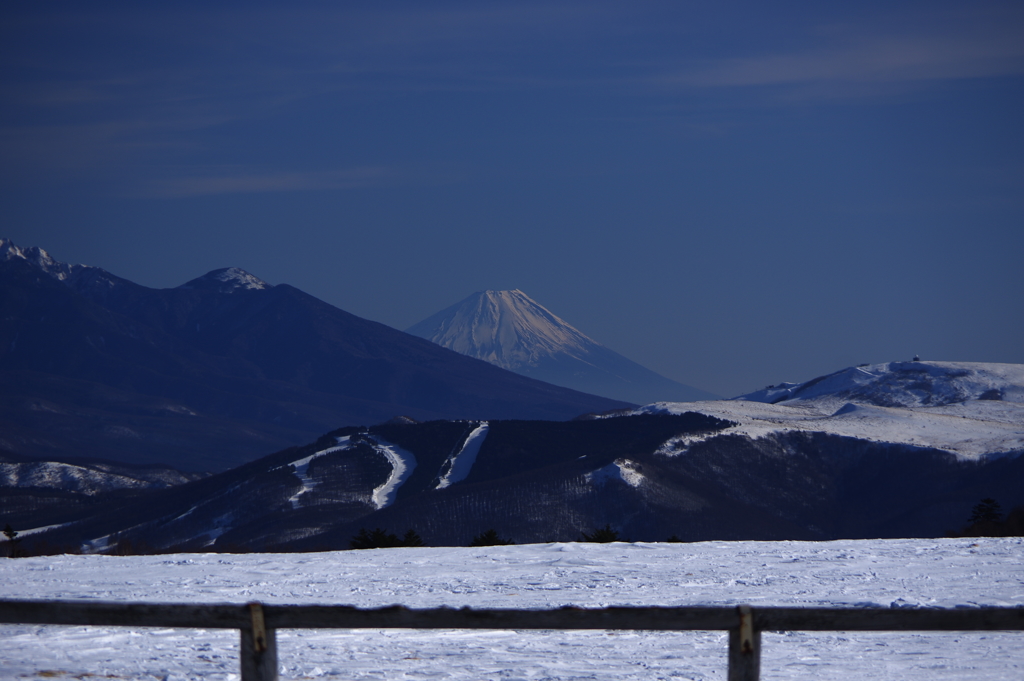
{"points": [[865, 60], [251, 183], [92, 146], [89, 96]]}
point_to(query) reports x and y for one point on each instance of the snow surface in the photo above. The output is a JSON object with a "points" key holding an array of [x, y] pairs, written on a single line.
{"points": [[621, 470], [402, 462], [301, 467], [238, 278], [65, 476], [850, 573], [951, 406], [903, 384], [228, 280], [461, 464], [402, 465], [90, 478]]}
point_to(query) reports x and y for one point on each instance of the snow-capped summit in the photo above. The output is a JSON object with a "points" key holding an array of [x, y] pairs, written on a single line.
{"points": [[38, 257], [227, 280], [513, 331], [92, 281], [507, 328]]}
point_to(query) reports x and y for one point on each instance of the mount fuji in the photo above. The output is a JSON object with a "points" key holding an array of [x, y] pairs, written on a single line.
{"points": [[513, 331]]}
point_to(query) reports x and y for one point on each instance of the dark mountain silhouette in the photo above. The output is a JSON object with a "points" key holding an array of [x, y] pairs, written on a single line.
{"points": [[537, 481], [215, 372]]}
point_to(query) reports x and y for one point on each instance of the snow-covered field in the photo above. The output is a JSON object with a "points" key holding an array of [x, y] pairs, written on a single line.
{"points": [[970, 409], [887, 573]]}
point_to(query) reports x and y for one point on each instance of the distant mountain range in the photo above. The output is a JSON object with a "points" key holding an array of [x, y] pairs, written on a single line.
{"points": [[901, 449], [972, 411], [220, 370], [512, 331]]}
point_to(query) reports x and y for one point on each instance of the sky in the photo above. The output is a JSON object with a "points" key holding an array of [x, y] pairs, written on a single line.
{"points": [[731, 194]]}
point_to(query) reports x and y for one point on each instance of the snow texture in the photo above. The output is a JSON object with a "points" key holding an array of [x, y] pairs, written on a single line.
{"points": [[461, 464], [301, 467], [903, 384], [88, 478], [972, 410], [228, 280], [947, 573], [621, 470], [402, 465], [37, 256], [65, 476]]}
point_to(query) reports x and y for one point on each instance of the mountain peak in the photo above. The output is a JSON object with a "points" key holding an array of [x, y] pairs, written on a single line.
{"points": [[515, 332], [227, 280], [36, 256], [506, 328]]}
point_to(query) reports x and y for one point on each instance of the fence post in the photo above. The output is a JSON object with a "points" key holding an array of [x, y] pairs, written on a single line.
{"points": [[258, 649], [745, 648]]}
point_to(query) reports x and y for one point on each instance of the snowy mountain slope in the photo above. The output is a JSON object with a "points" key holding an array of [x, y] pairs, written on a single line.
{"points": [[87, 478], [972, 410], [460, 464], [277, 499], [947, 573], [323, 493], [224, 280], [650, 476], [903, 384], [511, 330], [227, 280], [402, 463], [38, 257], [36, 494], [506, 328], [95, 280]]}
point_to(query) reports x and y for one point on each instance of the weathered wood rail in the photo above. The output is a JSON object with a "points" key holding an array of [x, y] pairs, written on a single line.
{"points": [[258, 623]]}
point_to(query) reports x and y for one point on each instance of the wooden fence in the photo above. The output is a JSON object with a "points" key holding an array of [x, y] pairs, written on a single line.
{"points": [[258, 623]]}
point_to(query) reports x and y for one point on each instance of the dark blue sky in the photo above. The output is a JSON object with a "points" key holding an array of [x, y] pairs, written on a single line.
{"points": [[732, 194]]}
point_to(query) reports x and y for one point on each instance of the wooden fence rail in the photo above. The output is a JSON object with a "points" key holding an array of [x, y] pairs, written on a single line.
{"points": [[258, 623]]}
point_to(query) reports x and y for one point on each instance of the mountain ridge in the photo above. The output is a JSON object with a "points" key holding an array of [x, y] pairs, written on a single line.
{"points": [[220, 370]]}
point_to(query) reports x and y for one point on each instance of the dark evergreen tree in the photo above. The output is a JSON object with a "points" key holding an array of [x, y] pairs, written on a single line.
{"points": [[674, 539], [13, 550], [490, 538], [375, 539], [411, 539], [602, 535], [988, 511], [382, 539]]}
